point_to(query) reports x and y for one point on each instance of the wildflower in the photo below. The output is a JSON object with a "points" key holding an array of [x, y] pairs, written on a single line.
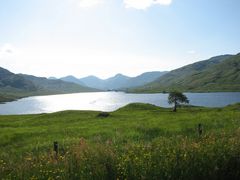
{"points": [[28, 158]]}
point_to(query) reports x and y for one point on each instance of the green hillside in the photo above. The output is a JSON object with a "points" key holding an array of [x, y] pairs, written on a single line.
{"points": [[139, 141], [55, 86], [221, 73], [14, 86], [10, 80]]}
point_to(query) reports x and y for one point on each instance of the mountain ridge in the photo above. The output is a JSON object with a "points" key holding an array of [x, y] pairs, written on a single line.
{"points": [[14, 86], [118, 81], [202, 76], [219, 73]]}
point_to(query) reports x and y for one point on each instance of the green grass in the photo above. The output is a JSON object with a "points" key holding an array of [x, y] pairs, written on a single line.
{"points": [[139, 141]]}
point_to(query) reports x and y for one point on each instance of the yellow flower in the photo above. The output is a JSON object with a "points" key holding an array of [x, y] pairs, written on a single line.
{"points": [[28, 158]]}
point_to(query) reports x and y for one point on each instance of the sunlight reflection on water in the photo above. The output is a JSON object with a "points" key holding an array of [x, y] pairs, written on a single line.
{"points": [[108, 101]]}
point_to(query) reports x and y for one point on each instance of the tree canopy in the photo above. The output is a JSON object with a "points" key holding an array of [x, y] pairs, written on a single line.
{"points": [[176, 98]]}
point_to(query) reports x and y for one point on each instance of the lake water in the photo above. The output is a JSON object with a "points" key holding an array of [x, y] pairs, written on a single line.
{"points": [[108, 101]]}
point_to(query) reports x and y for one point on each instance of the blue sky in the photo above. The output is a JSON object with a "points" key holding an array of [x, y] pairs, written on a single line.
{"points": [[105, 37]]}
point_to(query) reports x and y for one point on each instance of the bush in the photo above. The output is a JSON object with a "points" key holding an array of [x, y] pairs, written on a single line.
{"points": [[103, 114]]}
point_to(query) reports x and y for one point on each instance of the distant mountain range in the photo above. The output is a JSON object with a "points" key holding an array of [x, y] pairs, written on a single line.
{"points": [[220, 73], [116, 82], [14, 86]]}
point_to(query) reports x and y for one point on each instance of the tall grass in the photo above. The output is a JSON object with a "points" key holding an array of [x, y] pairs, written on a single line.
{"points": [[157, 144], [209, 157]]}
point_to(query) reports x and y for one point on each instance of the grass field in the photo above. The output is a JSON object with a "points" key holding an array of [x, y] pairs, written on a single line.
{"points": [[139, 141]]}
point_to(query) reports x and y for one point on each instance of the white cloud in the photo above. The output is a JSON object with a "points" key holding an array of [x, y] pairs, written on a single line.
{"points": [[144, 4], [89, 3], [6, 49]]}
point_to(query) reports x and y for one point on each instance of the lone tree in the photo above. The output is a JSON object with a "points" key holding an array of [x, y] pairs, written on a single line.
{"points": [[177, 98]]}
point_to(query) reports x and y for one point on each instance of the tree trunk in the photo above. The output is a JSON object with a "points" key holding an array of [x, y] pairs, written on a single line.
{"points": [[175, 107]]}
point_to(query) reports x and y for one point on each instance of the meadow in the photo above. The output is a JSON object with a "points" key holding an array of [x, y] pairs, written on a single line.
{"points": [[138, 141]]}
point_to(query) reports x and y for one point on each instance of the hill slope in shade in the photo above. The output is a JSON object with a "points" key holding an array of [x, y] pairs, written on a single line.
{"points": [[10, 80], [220, 73], [55, 86], [13, 86]]}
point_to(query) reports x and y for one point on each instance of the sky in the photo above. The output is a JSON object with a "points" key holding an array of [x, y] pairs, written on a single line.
{"points": [[105, 37]]}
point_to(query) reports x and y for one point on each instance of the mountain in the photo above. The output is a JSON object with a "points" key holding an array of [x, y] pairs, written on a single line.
{"points": [[119, 81], [111, 83], [73, 80], [52, 77], [116, 82], [220, 73], [49, 86], [143, 79], [13, 86], [9, 80], [93, 81]]}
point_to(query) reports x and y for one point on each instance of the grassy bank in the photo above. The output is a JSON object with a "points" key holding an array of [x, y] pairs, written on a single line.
{"points": [[138, 141]]}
